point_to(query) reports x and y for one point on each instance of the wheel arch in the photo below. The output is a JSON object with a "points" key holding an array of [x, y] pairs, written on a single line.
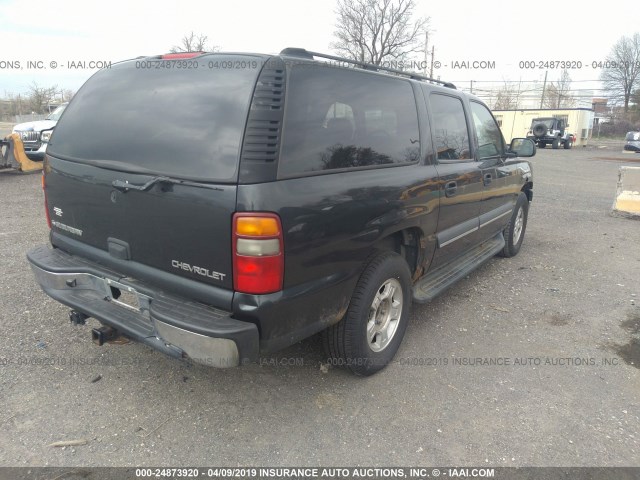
{"points": [[408, 244], [527, 189]]}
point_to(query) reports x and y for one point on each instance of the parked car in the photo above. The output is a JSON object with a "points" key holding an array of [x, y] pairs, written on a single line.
{"points": [[35, 135], [551, 131], [227, 211], [632, 140]]}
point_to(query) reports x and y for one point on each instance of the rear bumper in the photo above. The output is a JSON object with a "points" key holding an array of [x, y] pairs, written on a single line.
{"points": [[174, 325]]}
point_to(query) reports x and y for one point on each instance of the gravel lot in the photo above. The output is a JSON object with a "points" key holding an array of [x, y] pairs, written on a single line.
{"points": [[564, 315]]}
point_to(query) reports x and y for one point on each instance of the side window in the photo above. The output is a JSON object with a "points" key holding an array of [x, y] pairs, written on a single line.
{"points": [[450, 128], [490, 143], [339, 118]]}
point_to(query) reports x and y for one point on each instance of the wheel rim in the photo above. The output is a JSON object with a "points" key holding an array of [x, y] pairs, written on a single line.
{"points": [[384, 315], [517, 226]]}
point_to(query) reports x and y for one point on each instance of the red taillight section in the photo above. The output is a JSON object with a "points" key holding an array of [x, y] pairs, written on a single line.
{"points": [[46, 205], [258, 275], [258, 253], [178, 56]]}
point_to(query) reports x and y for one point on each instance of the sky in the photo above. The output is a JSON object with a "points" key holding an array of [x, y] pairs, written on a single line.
{"points": [[501, 34]]}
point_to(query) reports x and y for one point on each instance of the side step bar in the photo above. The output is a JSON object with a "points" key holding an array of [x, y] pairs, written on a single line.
{"points": [[437, 281]]}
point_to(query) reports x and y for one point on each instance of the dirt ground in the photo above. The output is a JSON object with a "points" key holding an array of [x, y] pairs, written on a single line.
{"points": [[530, 361]]}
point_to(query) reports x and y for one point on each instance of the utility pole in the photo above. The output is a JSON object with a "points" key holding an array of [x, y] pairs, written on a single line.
{"points": [[431, 72], [544, 86], [519, 90], [426, 51], [471, 86]]}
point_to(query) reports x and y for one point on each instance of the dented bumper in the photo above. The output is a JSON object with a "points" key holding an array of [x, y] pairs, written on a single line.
{"points": [[174, 325]]}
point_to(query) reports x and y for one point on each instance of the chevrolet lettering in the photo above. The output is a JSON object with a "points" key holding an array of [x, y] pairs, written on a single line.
{"points": [[199, 270]]}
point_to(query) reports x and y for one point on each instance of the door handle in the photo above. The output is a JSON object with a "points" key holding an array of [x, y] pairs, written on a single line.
{"points": [[450, 189], [488, 177]]}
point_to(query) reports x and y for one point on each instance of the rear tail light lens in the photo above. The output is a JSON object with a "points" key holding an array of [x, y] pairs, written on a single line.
{"points": [[46, 205], [258, 257]]}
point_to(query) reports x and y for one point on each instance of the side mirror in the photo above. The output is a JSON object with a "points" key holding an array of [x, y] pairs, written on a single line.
{"points": [[523, 147]]}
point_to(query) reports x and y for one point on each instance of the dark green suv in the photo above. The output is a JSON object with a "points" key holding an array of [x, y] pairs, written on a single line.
{"points": [[223, 206]]}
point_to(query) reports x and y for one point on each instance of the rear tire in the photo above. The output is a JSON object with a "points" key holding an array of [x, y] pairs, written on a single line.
{"points": [[556, 143], [514, 231], [541, 144], [369, 335], [568, 143]]}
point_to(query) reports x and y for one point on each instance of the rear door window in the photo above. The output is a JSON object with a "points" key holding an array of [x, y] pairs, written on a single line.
{"points": [[450, 128], [340, 118]]}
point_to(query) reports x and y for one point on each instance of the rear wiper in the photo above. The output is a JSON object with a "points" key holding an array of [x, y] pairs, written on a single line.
{"points": [[124, 185]]}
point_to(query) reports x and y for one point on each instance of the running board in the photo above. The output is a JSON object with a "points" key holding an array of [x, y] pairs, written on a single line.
{"points": [[437, 281]]}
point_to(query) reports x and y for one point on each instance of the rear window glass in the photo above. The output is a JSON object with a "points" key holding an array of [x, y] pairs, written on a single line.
{"points": [[337, 118], [180, 122]]}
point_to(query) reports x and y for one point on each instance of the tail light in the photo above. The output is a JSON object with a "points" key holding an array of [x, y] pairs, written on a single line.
{"points": [[46, 205], [258, 253]]}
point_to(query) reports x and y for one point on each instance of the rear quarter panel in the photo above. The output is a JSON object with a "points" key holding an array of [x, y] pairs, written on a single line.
{"points": [[332, 224]]}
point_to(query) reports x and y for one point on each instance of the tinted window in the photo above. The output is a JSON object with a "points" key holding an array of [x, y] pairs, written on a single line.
{"points": [[450, 128], [339, 118], [186, 123], [489, 136], [547, 122]]}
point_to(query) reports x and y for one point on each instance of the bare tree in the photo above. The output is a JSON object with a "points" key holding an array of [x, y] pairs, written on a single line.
{"points": [[67, 94], [623, 76], [16, 104], [193, 43], [558, 94], [506, 98], [375, 31], [39, 97]]}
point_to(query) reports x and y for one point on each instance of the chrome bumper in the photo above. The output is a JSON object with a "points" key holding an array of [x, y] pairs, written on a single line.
{"points": [[174, 325]]}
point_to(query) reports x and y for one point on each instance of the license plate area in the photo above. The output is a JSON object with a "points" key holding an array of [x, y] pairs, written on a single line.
{"points": [[127, 297]]}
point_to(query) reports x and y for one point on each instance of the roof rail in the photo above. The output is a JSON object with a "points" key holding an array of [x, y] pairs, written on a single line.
{"points": [[302, 53]]}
